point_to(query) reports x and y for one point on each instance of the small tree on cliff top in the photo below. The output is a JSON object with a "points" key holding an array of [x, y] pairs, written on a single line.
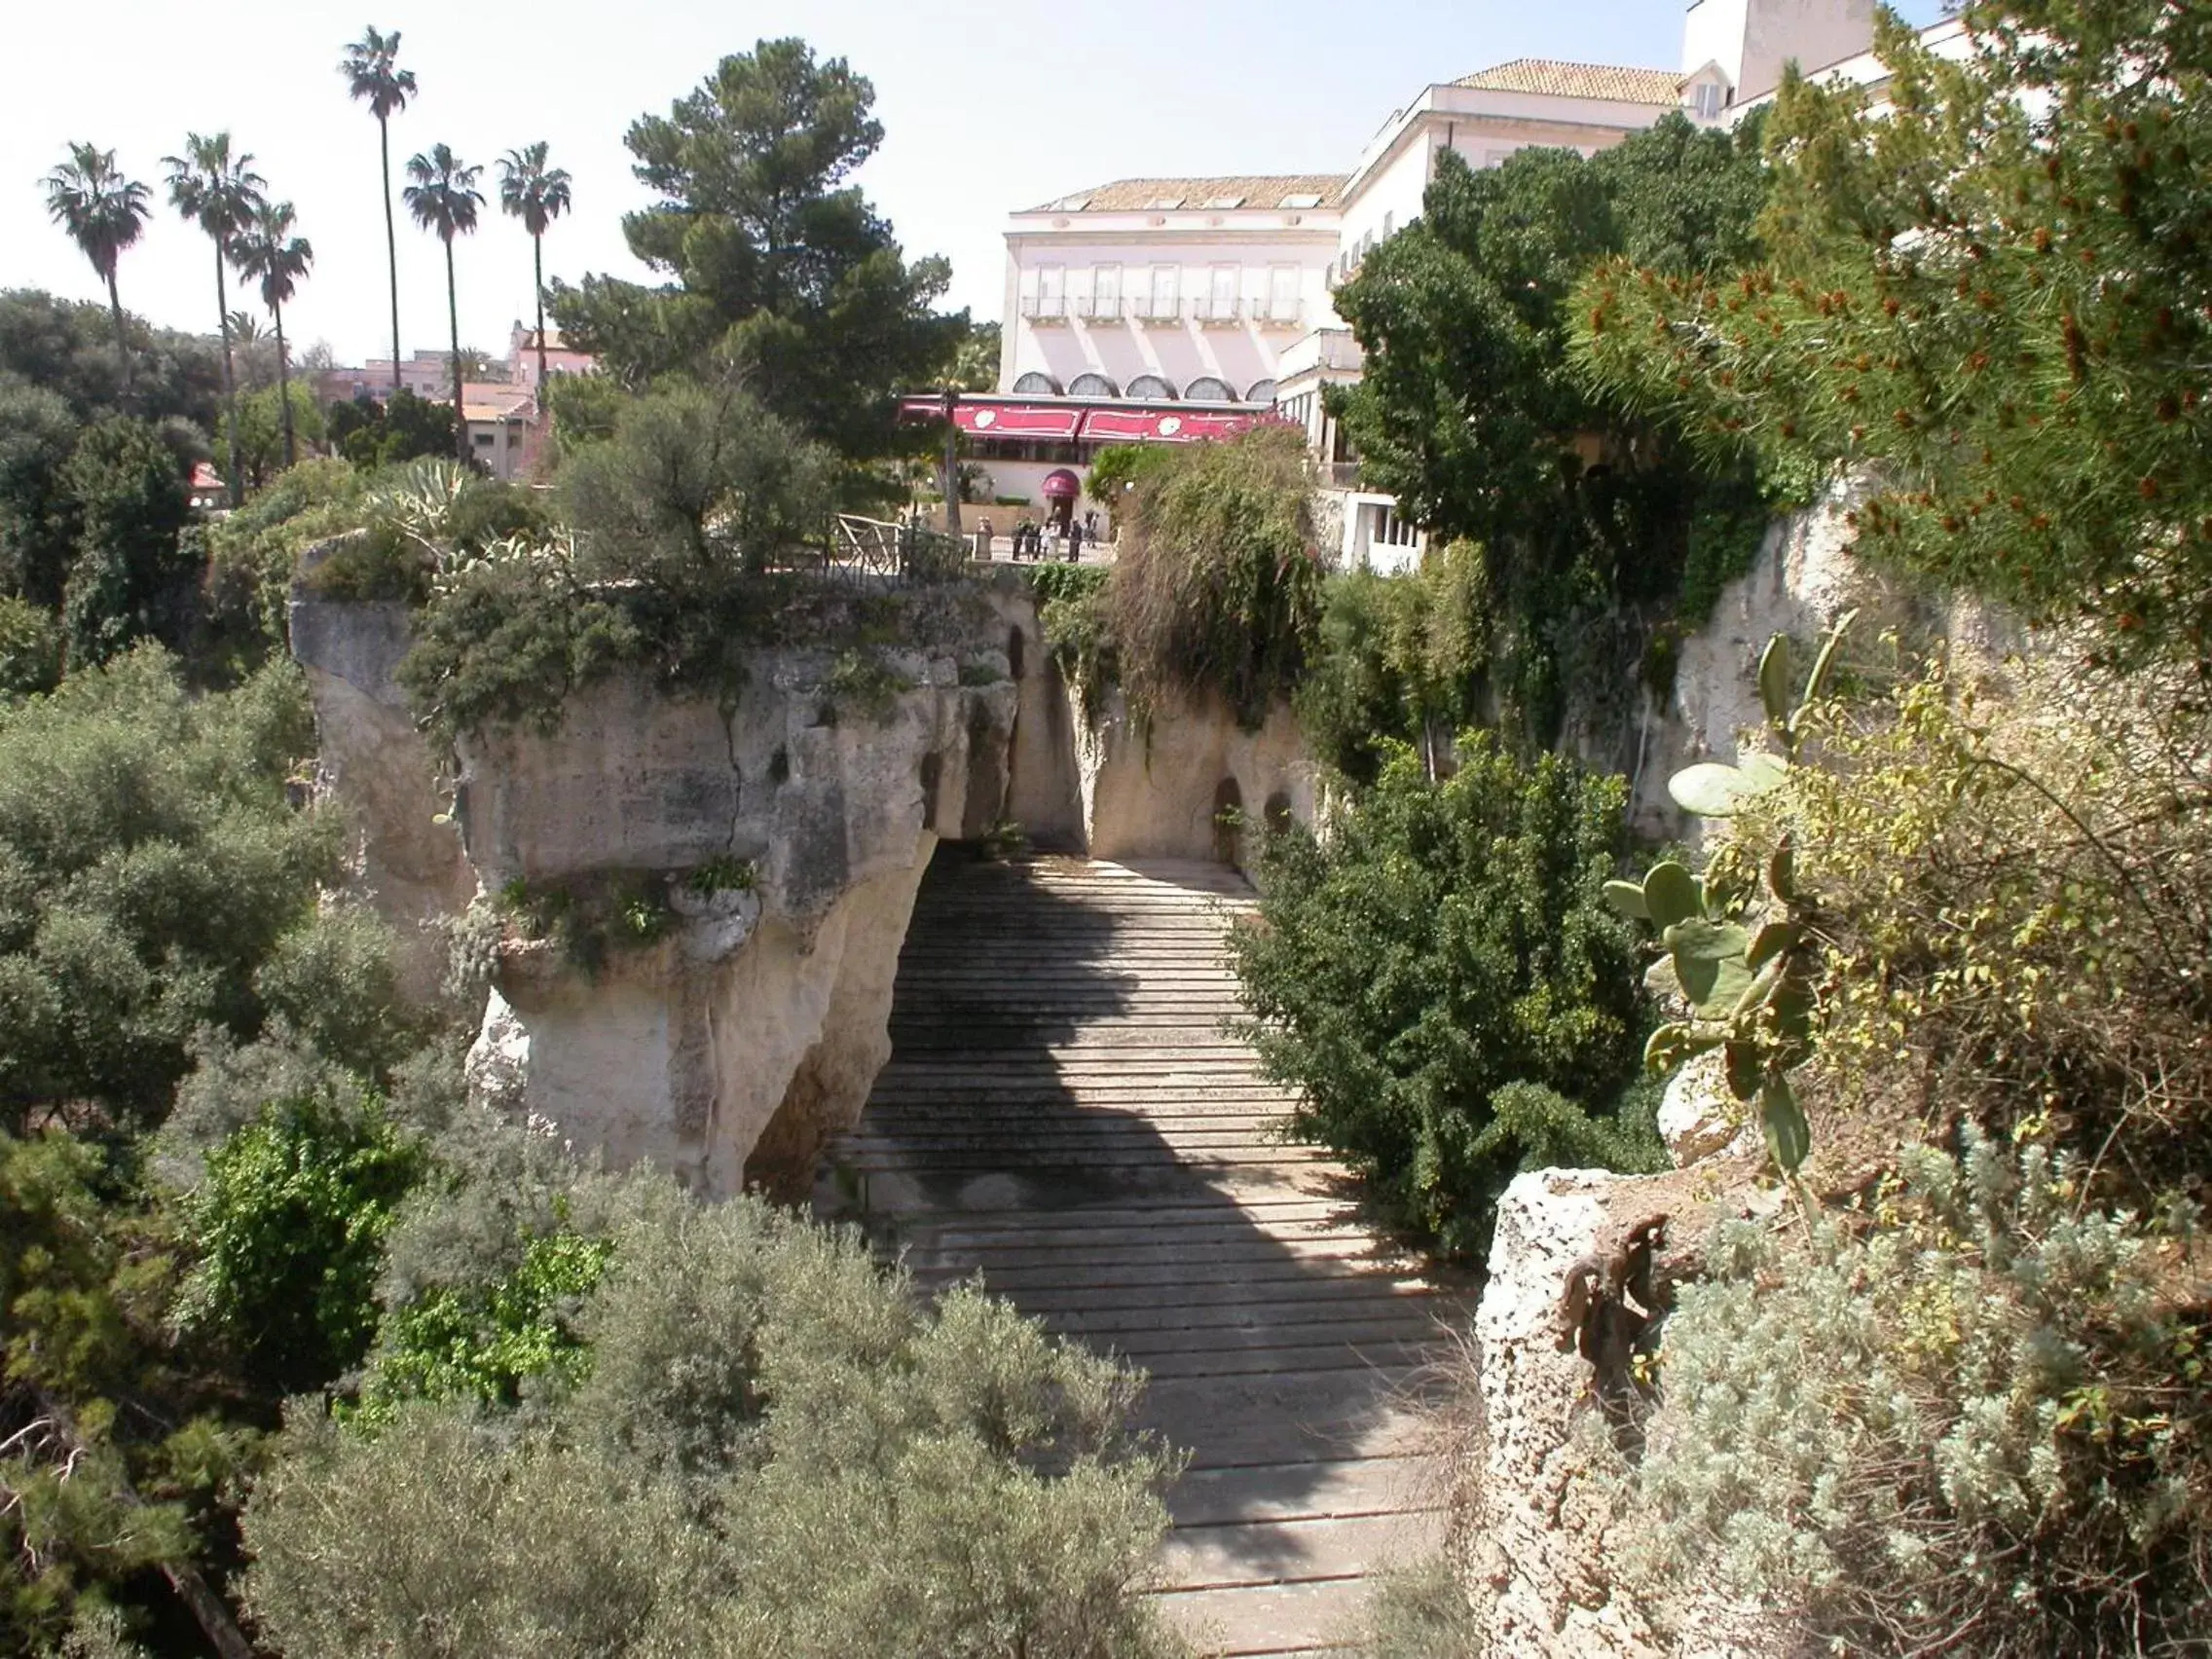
{"points": [[1991, 298]]}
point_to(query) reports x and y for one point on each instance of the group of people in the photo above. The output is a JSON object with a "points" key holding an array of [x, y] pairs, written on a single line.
{"points": [[1053, 540]]}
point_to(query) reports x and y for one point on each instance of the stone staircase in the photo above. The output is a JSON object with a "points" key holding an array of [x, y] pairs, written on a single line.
{"points": [[1064, 1115]]}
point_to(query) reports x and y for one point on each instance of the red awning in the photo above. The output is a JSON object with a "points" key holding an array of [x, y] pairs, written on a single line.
{"points": [[1003, 419], [1061, 485], [1169, 426]]}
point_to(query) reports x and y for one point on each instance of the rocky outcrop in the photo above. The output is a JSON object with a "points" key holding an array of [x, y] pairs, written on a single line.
{"points": [[1579, 1259], [1806, 576], [407, 860], [717, 889], [1162, 792], [786, 832]]}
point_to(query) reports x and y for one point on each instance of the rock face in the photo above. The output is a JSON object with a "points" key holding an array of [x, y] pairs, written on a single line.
{"points": [[1161, 794], [728, 1048], [1806, 576], [1539, 1574], [407, 858], [773, 844]]}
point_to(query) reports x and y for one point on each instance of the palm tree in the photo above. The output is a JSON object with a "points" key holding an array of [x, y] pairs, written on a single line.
{"points": [[279, 260], [221, 193], [528, 191], [104, 214], [444, 198], [371, 67]]}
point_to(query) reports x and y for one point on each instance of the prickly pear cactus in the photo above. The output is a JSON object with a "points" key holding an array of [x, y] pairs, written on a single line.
{"points": [[1749, 989]]}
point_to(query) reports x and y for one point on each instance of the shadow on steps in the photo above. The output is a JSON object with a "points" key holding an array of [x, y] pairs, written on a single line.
{"points": [[1065, 1116]]}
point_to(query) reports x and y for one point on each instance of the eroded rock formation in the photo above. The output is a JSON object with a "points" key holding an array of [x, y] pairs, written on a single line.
{"points": [[748, 867]]}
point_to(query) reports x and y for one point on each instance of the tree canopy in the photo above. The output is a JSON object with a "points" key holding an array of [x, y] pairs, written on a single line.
{"points": [[776, 264], [1990, 299], [1469, 411]]}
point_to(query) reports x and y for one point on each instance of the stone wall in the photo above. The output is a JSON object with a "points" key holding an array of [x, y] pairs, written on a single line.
{"points": [[752, 1028], [1160, 792]]}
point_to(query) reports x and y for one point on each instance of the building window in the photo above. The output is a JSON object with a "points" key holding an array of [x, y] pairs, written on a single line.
{"points": [[1707, 96], [1262, 392], [1282, 293], [1166, 299], [1221, 293], [1391, 530], [1035, 385], [1390, 224], [1151, 388], [1106, 292], [1091, 385], [1209, 389], [483, 440]]}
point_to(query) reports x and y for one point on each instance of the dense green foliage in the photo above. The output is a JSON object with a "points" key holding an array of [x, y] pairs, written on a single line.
{"points": [[1469, 411], [764, 1447], [290, 1222], [778, 266], [1443, 983], [1398, 659], [1991, 300], [132, 577], [149, 864], [693, 484], [403, 427], [67, 347], [1216, 588]]}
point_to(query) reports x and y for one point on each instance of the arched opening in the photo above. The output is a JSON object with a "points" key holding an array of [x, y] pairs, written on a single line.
{"points": [[1277, 812], [1263, 391], [1092, 385], [1035, 385], [933, 770], [1207, 389], [1151, 388], [1228, 822], [1016, 649]]}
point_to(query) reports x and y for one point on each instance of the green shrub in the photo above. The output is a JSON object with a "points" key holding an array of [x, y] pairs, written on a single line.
{"points": [[1445, 986], [861, 682], [1973, 1420], [1217, 585], [765, 1447], [1397, 658], [150, 863], [482, 1341], [291, 1223], [723, 875], [30, 650]]}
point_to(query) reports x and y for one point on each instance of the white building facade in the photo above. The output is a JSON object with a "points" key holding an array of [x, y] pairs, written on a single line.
{"points": [[1176, 309]]}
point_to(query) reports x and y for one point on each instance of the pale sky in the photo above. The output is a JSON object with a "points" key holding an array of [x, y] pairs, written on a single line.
{"points": [[986, 108]]}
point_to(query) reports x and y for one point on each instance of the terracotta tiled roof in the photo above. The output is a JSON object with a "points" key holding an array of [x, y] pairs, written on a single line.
{"points": [[1579, 81], [486, 400], [1261, 190]]}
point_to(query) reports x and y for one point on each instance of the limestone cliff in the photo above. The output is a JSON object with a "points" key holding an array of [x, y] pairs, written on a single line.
{"points": [[407, 858], [770, 845]]}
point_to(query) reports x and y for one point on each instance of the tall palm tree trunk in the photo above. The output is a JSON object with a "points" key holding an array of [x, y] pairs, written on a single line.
{"points": [[122, 340], [453, 323], [284, 387], [230, 381], [390, 244], [537, 259]]}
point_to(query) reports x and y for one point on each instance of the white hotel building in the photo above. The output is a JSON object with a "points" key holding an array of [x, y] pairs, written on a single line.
{"points": [[1170, 309]]}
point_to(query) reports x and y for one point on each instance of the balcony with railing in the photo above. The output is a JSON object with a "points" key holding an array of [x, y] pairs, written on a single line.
{"points": [[1157, 313], [1218, 313], [1044, 311], [1278, 315], [1106, 309]]}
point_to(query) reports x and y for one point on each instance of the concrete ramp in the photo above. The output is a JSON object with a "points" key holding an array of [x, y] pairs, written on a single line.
{"points": [[1064, 1114]]}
